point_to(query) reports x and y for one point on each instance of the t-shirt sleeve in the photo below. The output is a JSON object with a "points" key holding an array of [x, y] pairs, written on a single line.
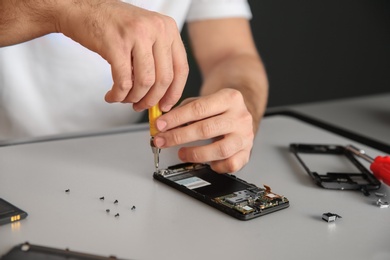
{"points": [[216, 9]]}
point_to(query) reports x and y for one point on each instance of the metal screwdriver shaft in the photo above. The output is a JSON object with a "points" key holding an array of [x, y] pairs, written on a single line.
{"points": [[380, 166], [154, 112], [359, 152], [156, 152]]}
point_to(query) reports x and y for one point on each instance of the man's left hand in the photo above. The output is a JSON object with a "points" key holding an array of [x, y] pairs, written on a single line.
{"points": [[222, 117]]}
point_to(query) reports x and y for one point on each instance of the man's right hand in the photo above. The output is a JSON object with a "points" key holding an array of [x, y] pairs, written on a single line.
{"points": [[145, 50], [147, 57]]}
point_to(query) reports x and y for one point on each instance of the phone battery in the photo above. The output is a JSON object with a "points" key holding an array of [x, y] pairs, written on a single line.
{"points": [[9, 213]]}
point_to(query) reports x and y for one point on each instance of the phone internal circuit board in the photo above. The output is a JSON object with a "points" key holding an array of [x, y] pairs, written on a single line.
{"points": [[252, 200], [225, 192]]}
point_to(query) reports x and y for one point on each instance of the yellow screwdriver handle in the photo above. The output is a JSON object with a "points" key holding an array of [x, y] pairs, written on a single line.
{"points": [[154, 112]]}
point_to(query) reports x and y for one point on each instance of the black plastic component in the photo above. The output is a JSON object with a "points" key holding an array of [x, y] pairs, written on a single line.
{"points": [[330, 217], [362, 180], [27, 251]]}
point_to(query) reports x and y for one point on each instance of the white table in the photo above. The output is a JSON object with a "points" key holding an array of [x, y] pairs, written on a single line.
{"points": [[170, 225], [369, 115]]}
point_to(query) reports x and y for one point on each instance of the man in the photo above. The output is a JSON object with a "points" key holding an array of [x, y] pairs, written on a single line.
{"points": [[52, 89]]}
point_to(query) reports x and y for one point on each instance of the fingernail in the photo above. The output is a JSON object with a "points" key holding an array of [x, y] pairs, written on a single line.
{"points": [[159, 141], [161, 124], [182, 156], [166, 108], [137, 109]]}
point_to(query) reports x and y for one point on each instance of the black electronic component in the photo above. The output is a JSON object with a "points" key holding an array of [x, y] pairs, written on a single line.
{"points": [[382, 204], [28, 251], [9, 213], [225, 192], [356, 177], [330, 217]]}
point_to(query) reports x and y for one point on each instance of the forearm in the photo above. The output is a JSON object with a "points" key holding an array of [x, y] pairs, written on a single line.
{"points": [[23, 20], [144, 48], [245, 73], [228, 58]]}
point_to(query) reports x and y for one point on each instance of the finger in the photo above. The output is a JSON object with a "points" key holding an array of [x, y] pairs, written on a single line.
{"points": [[201, 130], [198, 109], [122, 76], [144, 72], [180, 73], [164, 75], [187, 100], [219, 150], [232, 164]]}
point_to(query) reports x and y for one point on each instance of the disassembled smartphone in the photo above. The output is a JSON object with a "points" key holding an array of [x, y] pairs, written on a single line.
{"points": [[28, 251], [225, 192], [335, 167], [9, 213]]}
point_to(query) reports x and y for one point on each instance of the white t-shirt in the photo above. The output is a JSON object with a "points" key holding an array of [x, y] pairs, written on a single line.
{"points": [[53, 85]]}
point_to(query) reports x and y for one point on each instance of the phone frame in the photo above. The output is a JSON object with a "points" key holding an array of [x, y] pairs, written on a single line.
{"points": [[336, 180]]}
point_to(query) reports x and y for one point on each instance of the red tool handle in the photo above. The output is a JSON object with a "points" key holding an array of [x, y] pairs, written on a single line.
{"points": [[381, 168]]}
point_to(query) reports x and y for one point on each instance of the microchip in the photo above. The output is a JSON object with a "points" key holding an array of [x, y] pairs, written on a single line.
{"points": [[253, 199], [330, 217], [9, 213]]}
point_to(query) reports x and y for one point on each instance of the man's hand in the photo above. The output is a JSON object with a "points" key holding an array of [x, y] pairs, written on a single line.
{"points": [[233, 97], [144, 48], [147, 57], [221, 116]]}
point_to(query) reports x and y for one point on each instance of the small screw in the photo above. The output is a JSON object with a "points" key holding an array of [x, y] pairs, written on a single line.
{"points": [[108, 210], [67, 190], [101, 198], [117, 215], [133, 208], [116, 202]]}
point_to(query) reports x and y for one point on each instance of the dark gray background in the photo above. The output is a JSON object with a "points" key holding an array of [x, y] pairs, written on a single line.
{"points": [[318, 50]]}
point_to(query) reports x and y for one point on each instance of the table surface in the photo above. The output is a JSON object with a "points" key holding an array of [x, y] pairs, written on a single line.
{"points": [[167, 224], [368, 116]]}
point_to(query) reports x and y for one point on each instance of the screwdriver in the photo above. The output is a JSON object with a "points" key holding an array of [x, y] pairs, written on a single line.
{"points": [[154, 112], [380, 166]]}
